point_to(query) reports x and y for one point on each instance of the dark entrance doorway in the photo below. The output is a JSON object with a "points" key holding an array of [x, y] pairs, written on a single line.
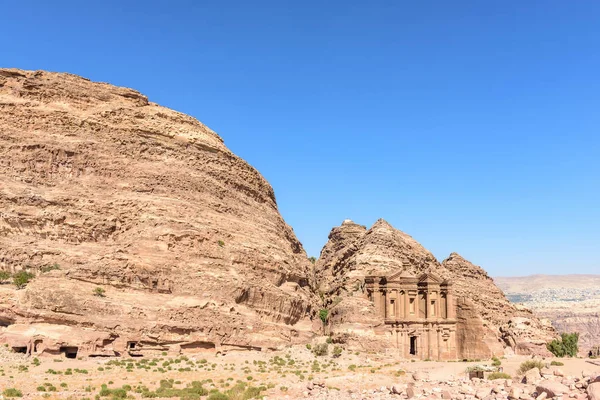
{"points": [[413, 345], [69, 352]]}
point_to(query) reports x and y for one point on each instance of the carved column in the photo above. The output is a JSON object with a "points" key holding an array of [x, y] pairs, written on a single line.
{"points": [[450, 307], [439, 343], [406, 305], [377, 297]]}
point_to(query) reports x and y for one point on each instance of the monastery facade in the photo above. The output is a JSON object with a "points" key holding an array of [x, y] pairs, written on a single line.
{"points": [[419, 313]]}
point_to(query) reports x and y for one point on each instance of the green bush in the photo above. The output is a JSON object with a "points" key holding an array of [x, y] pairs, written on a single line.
{"points": [[496, 362], [498, 375], [530, 364], [98, 291], [337, 351], [49, 268], [12, 392], [324, 315], [321, 349], [557, 363], [218, 396], [22, 278], [566, 346], [4, 275]]}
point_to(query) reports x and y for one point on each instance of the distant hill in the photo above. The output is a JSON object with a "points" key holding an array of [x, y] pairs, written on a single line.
{"points": [[571, 302]]}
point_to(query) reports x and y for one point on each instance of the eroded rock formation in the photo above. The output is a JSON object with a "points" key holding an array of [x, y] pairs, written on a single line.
{"points": [[101, 187], [488, 323]]}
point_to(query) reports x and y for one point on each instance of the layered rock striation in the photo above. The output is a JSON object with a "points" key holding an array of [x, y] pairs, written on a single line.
{"points": [[487, 323], [99, 187]]}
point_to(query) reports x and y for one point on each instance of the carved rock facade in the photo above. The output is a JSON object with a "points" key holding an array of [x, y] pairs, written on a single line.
{"points": [[419, 313]]}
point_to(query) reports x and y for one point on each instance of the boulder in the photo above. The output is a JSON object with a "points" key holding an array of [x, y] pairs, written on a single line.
{"points": [[398, 388], [593, 391], [482, 393], [552, 388], [542, 396], [515, 393], [532, 376]]}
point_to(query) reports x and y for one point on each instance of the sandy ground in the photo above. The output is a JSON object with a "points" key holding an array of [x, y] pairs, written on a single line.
{"points": [[283, 374]]}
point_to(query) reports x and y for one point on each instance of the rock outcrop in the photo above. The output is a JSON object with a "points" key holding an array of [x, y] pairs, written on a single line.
{"points": [[570, 302], [518, 327], [487, 321], [99, 187]]}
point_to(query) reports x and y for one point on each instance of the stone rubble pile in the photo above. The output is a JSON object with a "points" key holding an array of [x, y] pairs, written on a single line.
{"points": [[535, 385]]}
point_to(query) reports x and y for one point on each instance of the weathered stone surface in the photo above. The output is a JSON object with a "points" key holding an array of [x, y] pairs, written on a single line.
{"points": [[532, 376], [552, 388], [148, 203], [593, 391]]}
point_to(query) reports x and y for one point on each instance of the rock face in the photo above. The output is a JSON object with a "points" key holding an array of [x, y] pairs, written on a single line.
{"points": [[100, 187], [519, 328], [487, 321], [571, 302]]}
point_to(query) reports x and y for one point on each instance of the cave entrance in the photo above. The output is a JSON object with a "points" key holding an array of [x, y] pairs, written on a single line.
{"points": [[5, 323], [20, 349], [69, 351], [36, 345], [413, 345]]}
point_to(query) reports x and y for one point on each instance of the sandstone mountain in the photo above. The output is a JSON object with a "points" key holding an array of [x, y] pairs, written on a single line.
{"points": [[571, 302], [99, 187], [488, 324]]}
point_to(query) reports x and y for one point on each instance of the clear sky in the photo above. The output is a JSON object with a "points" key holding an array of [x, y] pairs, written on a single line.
{"points": [[471, 125]]}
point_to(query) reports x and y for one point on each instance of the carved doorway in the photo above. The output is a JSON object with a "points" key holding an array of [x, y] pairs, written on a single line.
{"points": [[413, 345]]}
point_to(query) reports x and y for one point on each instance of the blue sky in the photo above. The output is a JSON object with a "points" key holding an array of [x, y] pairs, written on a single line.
{"points": [[471, 125]]}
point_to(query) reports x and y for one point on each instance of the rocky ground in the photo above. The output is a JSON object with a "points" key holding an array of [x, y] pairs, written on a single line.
{"points": [[290, 374]]}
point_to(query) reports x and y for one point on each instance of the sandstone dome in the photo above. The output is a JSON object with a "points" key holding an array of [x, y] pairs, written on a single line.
{"points": [[99, 187]]}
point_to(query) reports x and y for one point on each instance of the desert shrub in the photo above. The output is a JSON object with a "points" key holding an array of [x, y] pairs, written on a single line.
{"points": [[496, 362], [337, 351], [12, 392], [566, 346], [22, 278], [98, 291], [498, 375], [4, 275], [218, 396], [221, 243], [530, 364], [557, 363], [321, 349], [324, 315], [308, 346], [48, 268], [312, 259]]}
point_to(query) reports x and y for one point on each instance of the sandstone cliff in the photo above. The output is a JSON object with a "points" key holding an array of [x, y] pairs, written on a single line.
{"points": [[570, 302], [101, 187], [487, 322]]}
